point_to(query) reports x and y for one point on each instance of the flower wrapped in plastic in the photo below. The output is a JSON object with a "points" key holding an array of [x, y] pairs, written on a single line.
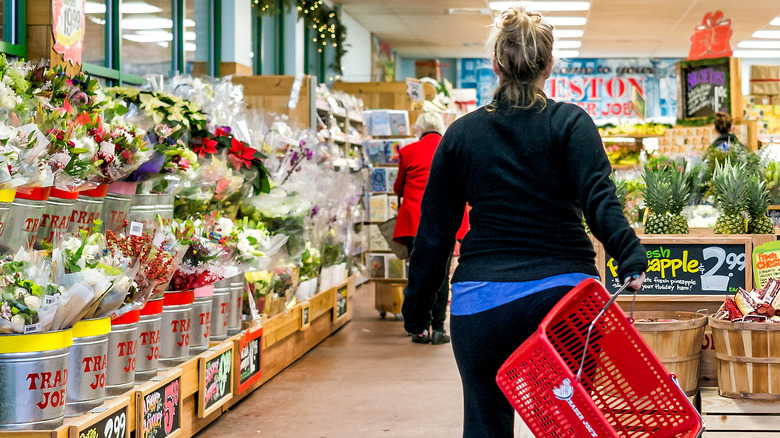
{"points": [[26, 294], [259, 284], [20, 150], [122, 150], [16, 95], [251, 245], [205, 262], [171, 161], [281, 212]]}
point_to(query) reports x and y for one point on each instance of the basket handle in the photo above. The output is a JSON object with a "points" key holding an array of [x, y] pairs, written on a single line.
{"points": [[593, 324]]}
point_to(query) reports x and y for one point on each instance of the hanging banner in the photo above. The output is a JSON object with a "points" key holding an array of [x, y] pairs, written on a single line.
{"points": [[711, 38], [608, 88], [605, 88], [68, 26]]}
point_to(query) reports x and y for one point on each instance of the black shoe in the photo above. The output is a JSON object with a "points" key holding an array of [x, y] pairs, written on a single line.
{"points": [[439, 337], [421, 339]]}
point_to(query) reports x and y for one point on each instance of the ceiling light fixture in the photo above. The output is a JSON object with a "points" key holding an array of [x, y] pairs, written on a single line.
{"points": [[567, 44], [467, 11], [139, 8], [189, 47], [543, 6], [557, 54], [756, 54], [771, 34], [567, 33], [566, 21], [759, 45], [155, 37], [775, 22]]}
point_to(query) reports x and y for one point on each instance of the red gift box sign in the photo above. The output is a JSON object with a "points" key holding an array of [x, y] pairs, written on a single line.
{"points": [[711, 39]]}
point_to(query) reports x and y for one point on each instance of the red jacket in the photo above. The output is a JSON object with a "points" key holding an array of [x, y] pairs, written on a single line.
{"points": [[414, 165]]}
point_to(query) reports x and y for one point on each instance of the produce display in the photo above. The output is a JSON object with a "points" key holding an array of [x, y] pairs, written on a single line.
{"points": [[628, 129]]}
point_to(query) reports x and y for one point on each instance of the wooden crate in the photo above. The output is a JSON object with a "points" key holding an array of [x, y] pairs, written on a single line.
{"points": [[736, 418], [272, 94]]}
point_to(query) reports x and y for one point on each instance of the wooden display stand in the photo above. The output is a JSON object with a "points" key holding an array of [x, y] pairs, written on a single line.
{"points": [[735, 418], [273, 94], [387, 95], [282, 344]]}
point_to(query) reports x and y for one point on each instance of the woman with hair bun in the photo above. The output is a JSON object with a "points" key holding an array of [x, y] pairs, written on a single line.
{"points": [[725, 139], [530, 168]]}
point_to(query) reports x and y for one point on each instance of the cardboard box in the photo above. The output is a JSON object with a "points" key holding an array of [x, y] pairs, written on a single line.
{"points": [[765, 80]]}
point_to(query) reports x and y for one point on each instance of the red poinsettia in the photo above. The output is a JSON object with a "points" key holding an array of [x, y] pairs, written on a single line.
{"points": [[241, 153], [207, 146]]}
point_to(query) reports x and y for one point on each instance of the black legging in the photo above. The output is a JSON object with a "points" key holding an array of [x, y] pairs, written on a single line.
{"points": [[482, 342], [439, 309]]}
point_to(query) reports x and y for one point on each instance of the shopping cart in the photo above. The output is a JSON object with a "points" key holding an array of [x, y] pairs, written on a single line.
{"points": [[587, 372]]}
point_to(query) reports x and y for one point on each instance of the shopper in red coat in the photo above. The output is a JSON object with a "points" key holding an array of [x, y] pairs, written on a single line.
{"points": [[413, 168]]}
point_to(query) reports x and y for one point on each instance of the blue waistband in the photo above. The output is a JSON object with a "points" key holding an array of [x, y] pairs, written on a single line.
{"points": [[470, 297]]}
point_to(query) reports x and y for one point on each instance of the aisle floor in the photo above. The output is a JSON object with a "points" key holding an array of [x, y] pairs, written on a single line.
{"points": [[366, 380]]}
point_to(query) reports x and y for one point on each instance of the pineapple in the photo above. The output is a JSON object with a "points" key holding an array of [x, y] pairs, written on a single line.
{"points": [[757, 203], [658, 193], [681, 192], [730, 184]]}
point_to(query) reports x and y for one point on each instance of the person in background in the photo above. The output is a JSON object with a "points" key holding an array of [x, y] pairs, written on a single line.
{"points": [[529, 168], [413, 167], [725, 139]]}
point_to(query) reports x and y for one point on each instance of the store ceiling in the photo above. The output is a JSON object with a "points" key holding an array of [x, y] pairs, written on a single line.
{"points": [[614, 28]]}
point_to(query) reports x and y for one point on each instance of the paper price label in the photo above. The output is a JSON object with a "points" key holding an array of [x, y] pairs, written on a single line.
{"points": [[136, 228]]}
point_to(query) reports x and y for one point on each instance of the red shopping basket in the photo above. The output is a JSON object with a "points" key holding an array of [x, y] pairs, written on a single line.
{"points": [[623, 390]]}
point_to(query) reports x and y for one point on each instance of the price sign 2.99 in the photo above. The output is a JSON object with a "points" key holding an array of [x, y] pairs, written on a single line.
{"points": [[103, 422], [682, 268]]}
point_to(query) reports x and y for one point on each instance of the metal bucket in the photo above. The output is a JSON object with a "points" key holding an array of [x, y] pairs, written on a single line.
{"points": [[122, 347], [116, 205], [6, 198], [25, 213], [175, 328], [146, 207], [149, 340], [87, 366], [56, 216], [220, 311], [88, 207], [201, 324], [236, 304], [33, 378]]}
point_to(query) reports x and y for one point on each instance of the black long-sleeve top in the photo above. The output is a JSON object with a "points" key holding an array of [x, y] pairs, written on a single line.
{"points": [[528, 175]]}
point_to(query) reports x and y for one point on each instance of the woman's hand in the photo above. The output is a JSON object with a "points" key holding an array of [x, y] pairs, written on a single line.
{"points": [[635, 281]]}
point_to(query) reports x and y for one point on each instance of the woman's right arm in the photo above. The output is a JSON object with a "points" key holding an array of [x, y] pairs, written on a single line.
{"points": [[400, 179]]}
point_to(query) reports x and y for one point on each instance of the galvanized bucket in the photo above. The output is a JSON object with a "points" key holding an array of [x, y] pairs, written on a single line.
{"points": [[236, 304], [220, 311], [146, 207], [87, 366], [88, 207], [116, 205], [149, 340], [165, 207], [175, 329], [122, 347], [201, 323], [33, 378], [56, 216], [25, 214], [6, 198]]}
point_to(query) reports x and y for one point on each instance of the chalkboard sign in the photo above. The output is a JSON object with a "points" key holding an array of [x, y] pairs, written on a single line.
{"points": [[159, 408], [340, 306], [249, 358], [705, 87], [107, 421], [305, 318], [215, 383], [689, 268]]}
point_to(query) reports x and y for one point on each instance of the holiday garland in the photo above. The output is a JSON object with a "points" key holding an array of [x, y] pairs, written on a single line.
{"points": [[326, 25]]}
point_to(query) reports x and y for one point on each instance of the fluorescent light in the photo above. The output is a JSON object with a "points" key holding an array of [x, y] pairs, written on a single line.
{"points": [[567, 33], [756, 54], [566, 21], [143, 23], [94, 8], [767, 34], [189, 36], [189, 47], [156, 37], [759, 45], [775, 22], [189, 23], [139, 8], [557, 54], [567, 44], [543, 6]]}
